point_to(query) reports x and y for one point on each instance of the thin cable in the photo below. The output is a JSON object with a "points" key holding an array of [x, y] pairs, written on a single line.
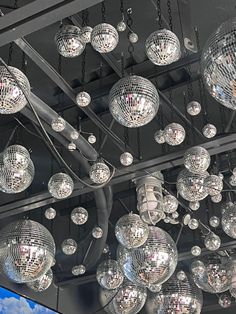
{"points": [[28, 130], [11, 137]]}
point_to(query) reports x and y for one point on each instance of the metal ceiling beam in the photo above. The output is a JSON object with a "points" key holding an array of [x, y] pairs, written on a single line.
{"points": [[37, 15]]}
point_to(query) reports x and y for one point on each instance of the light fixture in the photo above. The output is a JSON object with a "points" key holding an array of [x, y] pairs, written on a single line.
{"points": [[99, 173], [69, 246], [209, 130], [170, 204], [58, 124], [109, 274], [104, 38], [197, 159], [60, 185], [193, 108], [83, 99], [174, 134], [79, 216], [16, 157], [43, 283], [85, 34], [126, 159], [78, 270], [228, 220], [50, 213]]}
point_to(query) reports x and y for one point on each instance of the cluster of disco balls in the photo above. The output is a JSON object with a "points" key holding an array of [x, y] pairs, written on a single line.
{"points": [[173, 134]]}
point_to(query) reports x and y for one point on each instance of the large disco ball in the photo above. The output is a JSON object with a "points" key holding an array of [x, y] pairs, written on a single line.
{"points": [[43, 283], [104, 38], [229, 220], [182, 297], [16, 157], [152, 263], [68, 41], [27, 250], [218, 64], [12, 98], [133, 101], [197, 159], [191, 185], [163, 47], [109, 274], [60, 185], [131, 231]]}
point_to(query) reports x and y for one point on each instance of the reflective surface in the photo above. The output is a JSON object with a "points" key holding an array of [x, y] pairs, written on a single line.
{"points": [[99, 173], [174, 134], [43, 283], [69, 246], [170, 204], [197, 159], [104, 38], [79, 215], [60, 185], [109, 274]]}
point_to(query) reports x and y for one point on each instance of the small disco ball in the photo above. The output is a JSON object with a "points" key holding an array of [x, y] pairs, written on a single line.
{"points": [[92, 139], [133, 38], [170, 204], [209, 130], [155, 288], [174, 134], [218, 64], [16, 157], [126, 159], [97, 232], [78, 270], [196, 250], [213, 185], [121, 26], [79, 215], [131, 231], [74, 135], [193, 108], [214, 221], [133, 101], [152, 263], [176, 296], [225, 301], [12, 98], [43, 283], [85, 34], [99, 173], [104, 38], [50, 213], [163, 47], [181, 275], [191, 185], [60, 186], [197, 159], [212, 242], [68, 41], [83, 99], [58, 124], [69, 246], [228, 221], [109, 274], [159, 137], [216, 198], [71, 147], [232, 180], [194, 205], [27, 250], [193, 224]]}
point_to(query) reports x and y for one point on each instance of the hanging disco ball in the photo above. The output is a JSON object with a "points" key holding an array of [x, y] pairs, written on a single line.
{"points": [[69, 246], [214, 221], [126, 159], [79, 215], [228, 220], [213, 185], [58, 124], [104, 38], [109, 274], [27, 251], [194, 205], [121, 26], [170, 204], [152, 263], [212, 242], [85, 34], [154, 288], [174, 134], [50, 213], [78, 270], [209, 130], [218, 64], [97, 232], [191, 186], [43, 283], [68, 41], [216, 198], [196, 250], [16, 157], [176, 296], [163, 47], [193, 108], [159, 137], [131, 231], [133, 37], [133, 101], [92, 139], [60, 185], [99, 173], [232, 180], [12, 98], [197, 159], [83, 99]]}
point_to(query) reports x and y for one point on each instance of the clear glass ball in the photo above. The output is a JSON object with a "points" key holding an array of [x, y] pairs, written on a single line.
{"points": [[69, 246], [193, 224], [71, 147], [163, 47], [97, 232], [159, 137], [60, 185], [229, 221], [225, 301], [197, 159], [232, 180], [99, 173], [50, 213], [121, 26], [194, 205], [12, 98], [133, 38], [213, 185], [209, 130], [126, 159], [174, 134], [212, 242], [58, 124], [16, 157], [43, 283], [78, 270], [214, 221], [74, 135], [216, 198], [79, 215], [133, 101], [109, 274], [170, 204], [92, 139], [104, 38], [131, 231], [68, 41], [193, 108], [83, 99], [85, 34], [196, 250]]}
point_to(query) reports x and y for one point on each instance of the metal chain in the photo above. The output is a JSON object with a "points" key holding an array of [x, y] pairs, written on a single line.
{"points": [[190, 85], [10, 53], [131, 46], [103, 12], [122, 9], [170, 14], [15, 4], [83, 64], [159, 16], [126, 137]]}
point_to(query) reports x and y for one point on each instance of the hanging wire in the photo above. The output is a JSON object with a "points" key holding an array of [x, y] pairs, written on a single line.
{"points": [[122, 9], [170, 14], [83, 67], [159, 14], [131, 46], [103, 6]]}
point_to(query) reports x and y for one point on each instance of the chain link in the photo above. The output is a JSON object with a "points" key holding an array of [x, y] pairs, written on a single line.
{"points": [[159, 16], [170, 14], [103, 12]]}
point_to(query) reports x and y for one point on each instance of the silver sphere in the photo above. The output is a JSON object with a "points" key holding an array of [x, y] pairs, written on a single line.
{"points": [[170, 204], [58, 124], [174, 134], [50, 213], [12, 98], [197, 159], [79, 215], [214, 221], [121, 26], [109, 274], [194, 205], [163, 47], [126, 159], [92, 139], [212, 242], [159, 137], [69, 246], [83, 99], [196, 250], [104, 38], [218, 64], [74, 135], [43, 283], [232, 180], [193, 108], [99, 173], [60, 185], [209, 130], [27, 250], [78, 270], [131, 231], [229, 221], [133, 38], [216, 198], [225, 301], [16, 157], [152, 263], [193, 224], [133, 101], [71, 147], [191, 186], [213, 184], [97, 232], [68, 41], [85, 34]]}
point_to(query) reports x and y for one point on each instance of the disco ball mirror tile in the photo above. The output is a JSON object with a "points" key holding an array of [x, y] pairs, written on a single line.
{"points": [[43, 283]]}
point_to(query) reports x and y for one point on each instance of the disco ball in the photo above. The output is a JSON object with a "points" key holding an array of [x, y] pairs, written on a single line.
{"points": [[58, 124], [218, 64], [60, 185], [159, 137], [85, 34], [193, 108], [109, 274], [194, 205], [16, 157], [213, 185], [133, 101], [83, 99], [78, 270], [133, 38], [155, 288], [212, 242], [228, 221], [232, 180], [225, 301], [71, 147], [43, 283], [92, 139], [104, 38], [181, 275], [131, 231], [209, 130], [214, 221], [191, 186], [50, 213], [216, 198], [163, 47], [121, 26], [79, 215], [97, 232], [27, 250], [99, 173], [196, 250], [153, 262], [69, 246], [176, 296], [68, 41], [174, 134], [12, 98], [170, 204], [193, 224], [197, 159], [74, 135], [126, 159]]}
